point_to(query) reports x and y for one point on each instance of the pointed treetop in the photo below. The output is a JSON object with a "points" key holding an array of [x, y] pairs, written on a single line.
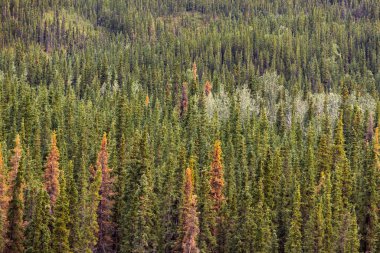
{"points": [[190, 222], [217, 180], [15, 160], [208, 88], [52, 170], [194, 70]]}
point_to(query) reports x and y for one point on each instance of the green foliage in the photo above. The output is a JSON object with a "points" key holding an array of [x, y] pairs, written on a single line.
{"points": [[290, 88], [61, 212], [38, 232]]}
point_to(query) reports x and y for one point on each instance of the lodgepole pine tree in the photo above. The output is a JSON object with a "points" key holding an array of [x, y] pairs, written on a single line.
{"points": [[51, 177], [313, 234], [217, 178], [88, 201], [15, 162], [39, 236], [264, 239], [61, 232], [370, 197], [4, 201], [294, 239], [189, 220], [217, 185], [328, 241], [73, 200], [105, 219], [15, 233], [216, 189], [142, 222], [345, 233]]}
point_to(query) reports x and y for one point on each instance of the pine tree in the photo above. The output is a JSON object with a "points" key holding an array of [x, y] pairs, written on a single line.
{"points": [[217, 185], [264, 239], [184, 100], [217, 179], [61, 232], [341, 164], [4, 200], [344, 236], [294, 239], [314, 229], [105, 219], [328, 240], [189, 216], [92, 200], [370, 197], [15, 162], [51, 177], [15, 233], [38, 232], [324, 146], [73, 200], [139, 199], [142, 222], [119, 206], [88, 203]]}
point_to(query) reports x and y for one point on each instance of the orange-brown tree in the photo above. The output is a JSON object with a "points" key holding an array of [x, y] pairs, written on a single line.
{"points": [[106, 224], [217, 182], [190, 223], [51, 177], [208, 88], [15, 161], [4, 201], [15, 231]]}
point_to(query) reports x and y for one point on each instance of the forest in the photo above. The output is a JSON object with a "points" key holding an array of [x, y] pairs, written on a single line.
{"points": [[191, 126]]}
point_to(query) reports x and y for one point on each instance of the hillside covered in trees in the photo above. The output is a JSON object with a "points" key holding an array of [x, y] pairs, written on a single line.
{"points": [[191, 126]]}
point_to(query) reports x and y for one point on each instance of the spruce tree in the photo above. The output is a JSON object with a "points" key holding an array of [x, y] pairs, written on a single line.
{"points": [[51, 177], [189, 220], [61, 216], [74, 208], [217, 188], [105, 218], [370, 197], [38, 231], [15, 233], [4, 201], [264, 239], [294, 238]]}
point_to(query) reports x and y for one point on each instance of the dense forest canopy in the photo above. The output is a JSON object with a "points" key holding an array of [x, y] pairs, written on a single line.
{"points": [[189, 126]]}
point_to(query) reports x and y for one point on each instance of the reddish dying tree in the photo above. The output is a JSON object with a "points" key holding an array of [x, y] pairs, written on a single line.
{"points": [[15, 223], [208, 88], [217, 182], [4, 201], [51, 176], [184, 100], [216, 177], [190, 223], [15, 161], [194, 70], [4, 196], [106, 225], [146, 100]]}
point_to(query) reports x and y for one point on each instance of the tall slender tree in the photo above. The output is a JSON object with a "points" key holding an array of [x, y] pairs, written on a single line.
{"points": [[38, 231], [216, 187], [4, 200], [51, 177], [61, 232], [15, 233], [294, 240], [190, 224], [105, 219]]}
